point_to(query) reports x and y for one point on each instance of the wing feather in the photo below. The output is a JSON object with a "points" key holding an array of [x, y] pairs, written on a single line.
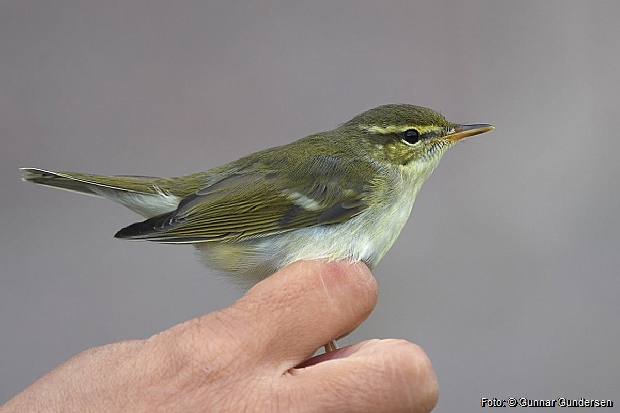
{"points": [[257, 201]]}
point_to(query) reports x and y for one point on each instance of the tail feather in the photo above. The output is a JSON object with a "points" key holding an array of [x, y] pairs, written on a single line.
{"points": [[84, 183], [141, 194], [60, 180]]}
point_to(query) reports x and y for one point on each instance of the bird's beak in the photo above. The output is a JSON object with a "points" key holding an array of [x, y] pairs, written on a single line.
{"points": [[465, 131]]}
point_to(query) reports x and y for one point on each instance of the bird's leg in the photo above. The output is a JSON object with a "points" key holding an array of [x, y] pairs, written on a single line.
{"points": [[331, 346]]}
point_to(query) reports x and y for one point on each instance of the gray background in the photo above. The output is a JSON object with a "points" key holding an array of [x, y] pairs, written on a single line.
{"points": [[507, 271]]}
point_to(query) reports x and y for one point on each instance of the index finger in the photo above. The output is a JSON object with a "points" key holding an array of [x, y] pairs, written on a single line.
{"points": [[304, 306]]}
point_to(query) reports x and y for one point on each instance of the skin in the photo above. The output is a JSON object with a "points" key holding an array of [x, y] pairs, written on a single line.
{"points": [[253, 356]]}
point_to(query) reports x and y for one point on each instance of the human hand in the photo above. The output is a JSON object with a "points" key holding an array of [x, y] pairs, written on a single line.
{"points": [[253, 357]]}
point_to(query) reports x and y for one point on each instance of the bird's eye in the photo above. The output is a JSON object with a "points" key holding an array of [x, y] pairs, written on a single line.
{"points": [[411, 136]]}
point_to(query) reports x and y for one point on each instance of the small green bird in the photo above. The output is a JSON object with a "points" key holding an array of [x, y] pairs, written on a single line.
{"points": [[345, 193]]}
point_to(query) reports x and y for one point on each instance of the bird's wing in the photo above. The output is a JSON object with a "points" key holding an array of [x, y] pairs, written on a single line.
{"points": [[259, 201]]}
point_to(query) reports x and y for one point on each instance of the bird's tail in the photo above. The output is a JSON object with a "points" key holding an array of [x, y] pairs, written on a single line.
{"points": [[141, 194]]}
